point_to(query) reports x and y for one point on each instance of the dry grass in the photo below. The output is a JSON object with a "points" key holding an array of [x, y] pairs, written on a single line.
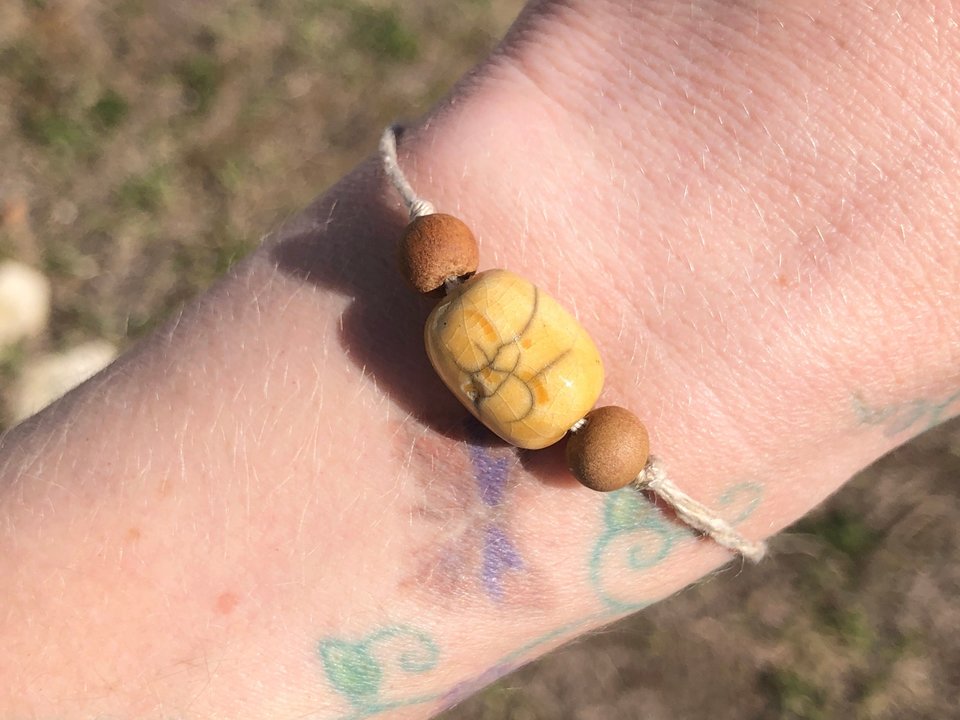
{"points": [[146, 144]]}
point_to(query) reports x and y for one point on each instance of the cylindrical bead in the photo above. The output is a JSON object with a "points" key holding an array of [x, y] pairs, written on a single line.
{"points": [[521, 363], [609, 450], [435, 248]]}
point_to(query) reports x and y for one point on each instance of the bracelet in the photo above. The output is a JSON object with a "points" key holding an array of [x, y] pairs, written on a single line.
{"points": [[525, 367]]}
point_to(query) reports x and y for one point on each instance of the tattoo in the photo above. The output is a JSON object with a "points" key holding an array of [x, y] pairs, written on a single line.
{"points": [[478, 556], [740, 501], [629, 519], [500, 555], [461, 691], [491, 473], [361, 671], [918, 415], [637, 536], [514, 660]]}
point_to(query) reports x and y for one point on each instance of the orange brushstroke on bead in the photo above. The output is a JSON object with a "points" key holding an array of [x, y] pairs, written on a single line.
{"points": [[485, 325], [540, 391]]}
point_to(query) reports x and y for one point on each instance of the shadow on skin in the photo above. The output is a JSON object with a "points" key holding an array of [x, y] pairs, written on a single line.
{"points": [[347, 243]]}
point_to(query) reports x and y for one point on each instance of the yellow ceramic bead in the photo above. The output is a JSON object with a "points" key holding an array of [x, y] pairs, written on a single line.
{"points": [[516, 359]]}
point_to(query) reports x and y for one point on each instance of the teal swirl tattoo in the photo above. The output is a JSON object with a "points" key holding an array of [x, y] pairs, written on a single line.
{"points": [[637, 537], [636, 534], [745, 496], [916, 415], [358, 670]]}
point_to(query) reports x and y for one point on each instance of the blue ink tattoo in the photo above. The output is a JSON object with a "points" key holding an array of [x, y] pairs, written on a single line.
{"points": [[637, 537], [917, 415]]}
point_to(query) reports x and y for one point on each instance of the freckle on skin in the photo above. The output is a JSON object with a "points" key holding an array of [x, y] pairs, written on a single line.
{"points": [[133, 534], [226, 603]]}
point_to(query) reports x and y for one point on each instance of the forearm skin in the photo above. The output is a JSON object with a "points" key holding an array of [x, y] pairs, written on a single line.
{"points": [[273, 508]]}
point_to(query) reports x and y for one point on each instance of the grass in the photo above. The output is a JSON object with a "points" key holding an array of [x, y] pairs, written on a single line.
{"points": [[146, 193], [166, 201], [381, 33], [12, 359], [795, 697], [54, 116], [110, 110], [846, 533], [54, 129], [200, 77]]}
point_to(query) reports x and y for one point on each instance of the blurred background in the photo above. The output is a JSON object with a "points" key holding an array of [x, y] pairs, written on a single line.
{"points": [[147, 144]]}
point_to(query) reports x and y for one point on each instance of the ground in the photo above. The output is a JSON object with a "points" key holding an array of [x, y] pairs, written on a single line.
{"points": [[147, 144]]}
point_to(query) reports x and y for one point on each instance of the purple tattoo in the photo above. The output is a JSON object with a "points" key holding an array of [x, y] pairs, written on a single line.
{"points": [[474, 498], [500, 556], [463, 690], [491, 475], [490, 472]]}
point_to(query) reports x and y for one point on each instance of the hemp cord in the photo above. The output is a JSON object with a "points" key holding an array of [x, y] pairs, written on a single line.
{"points": [[415, 204], [693, 513], [653, 477]]}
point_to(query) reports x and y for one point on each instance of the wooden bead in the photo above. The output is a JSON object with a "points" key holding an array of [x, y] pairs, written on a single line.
{"points": [[436, 247], [609, 450], [516, 359]]}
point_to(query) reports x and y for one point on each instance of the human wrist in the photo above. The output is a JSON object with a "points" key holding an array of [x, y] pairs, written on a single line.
{"points": [[291, 430], [756, 255]]}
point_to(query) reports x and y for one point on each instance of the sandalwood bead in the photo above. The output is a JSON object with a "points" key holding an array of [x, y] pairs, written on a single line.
{"points": [[514, 357], [609, 450], [437, 247]]}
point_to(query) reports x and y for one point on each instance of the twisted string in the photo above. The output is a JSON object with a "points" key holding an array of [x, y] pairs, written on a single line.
{"points": [[416, 205], [653, 477]]}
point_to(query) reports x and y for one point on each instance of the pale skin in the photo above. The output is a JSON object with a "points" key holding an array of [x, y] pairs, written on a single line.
{"points": [[273, 508]]}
